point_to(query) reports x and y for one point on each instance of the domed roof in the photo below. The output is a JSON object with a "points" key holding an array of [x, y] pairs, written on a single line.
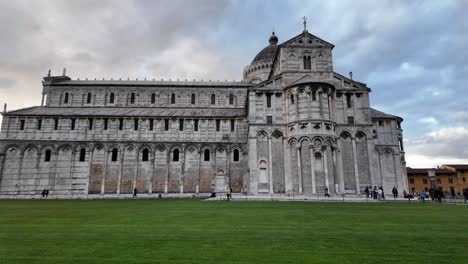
{"points": [[268, 53]]}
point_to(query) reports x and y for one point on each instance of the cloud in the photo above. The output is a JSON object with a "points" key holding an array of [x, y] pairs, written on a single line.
{"points": [[408, 52], [446, 145], [429, 120]]}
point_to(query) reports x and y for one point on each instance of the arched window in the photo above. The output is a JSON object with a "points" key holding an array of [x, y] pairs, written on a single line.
{"points": [[88, 98], [111, 98], [192, 99], [172, 98], [135, 124], [82, 154], [291, 97], [213, 99], [236, 155], [175, 155], [48, 154], [145, 155], [206, 155], [153, 98], [307, 63], [132, 98], [231, 99], [115, 153], [65, 100]]}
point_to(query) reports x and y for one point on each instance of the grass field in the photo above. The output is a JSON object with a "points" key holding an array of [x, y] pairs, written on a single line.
{"points": [[192, 231]]}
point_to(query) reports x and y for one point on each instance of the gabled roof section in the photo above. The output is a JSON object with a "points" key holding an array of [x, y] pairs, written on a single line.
{"points": [[316, 41], [381, 115], [305, 79]]}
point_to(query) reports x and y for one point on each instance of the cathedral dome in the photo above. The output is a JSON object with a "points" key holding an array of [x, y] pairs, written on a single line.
{"points": [[268, 53]]}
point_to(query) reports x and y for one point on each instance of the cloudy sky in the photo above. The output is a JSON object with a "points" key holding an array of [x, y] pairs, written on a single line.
{"points": [[413, 54]]}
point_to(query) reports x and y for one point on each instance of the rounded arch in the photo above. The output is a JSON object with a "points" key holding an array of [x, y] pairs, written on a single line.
{"points": [[145, 146], [80, 146], [277, 134], [113, 146], [262, 133], [101, 146], [12, 145], [388, 151], [292, 141], [304, 138], [176, 146], [47, 146], [65, 146], [360, 135], [130, 147], [29, 146], [345, 135], [262, 164]]}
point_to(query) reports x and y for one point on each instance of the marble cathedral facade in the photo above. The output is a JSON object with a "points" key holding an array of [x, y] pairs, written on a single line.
{"points": [[292, 125]]}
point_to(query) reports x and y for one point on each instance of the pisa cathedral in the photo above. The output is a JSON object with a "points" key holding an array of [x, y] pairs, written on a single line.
{"points": [[291, 126]]}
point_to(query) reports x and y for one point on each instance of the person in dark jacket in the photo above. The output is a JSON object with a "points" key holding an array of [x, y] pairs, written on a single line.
{"points": [[135, 192], [326, 192], [43, 193], [366, 191], [395, 192], [465, 194], [46, 193]]}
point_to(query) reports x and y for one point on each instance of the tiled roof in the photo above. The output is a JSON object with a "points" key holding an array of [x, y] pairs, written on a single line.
{"points": [[424, 171], [129, 111], [379, 114], [66, 81], [457, 166]]}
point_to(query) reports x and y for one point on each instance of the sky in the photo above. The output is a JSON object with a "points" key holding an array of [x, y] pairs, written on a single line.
{"points": [[412, 54]]}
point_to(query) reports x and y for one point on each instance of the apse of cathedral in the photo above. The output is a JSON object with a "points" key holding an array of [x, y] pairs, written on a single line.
{"points": [[291, 126]]}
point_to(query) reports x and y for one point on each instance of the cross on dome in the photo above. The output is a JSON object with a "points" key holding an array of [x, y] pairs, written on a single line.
{"points": [[305, 22]]}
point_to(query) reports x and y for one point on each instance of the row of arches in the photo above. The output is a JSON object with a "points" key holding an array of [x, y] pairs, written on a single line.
{"points": [[163, 98], [118, 168]]}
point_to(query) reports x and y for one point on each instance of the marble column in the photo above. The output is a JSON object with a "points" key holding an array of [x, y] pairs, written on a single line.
{"points": [[168, 165], [299, 167], [325, 167], [153, 162], [270, 166], [356, 172], [339, 169], [312, 169], [119, 177]]}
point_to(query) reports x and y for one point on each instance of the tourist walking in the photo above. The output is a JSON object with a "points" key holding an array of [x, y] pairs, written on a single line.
{"points": [[326, 192], [135, 192], [46, 193], [228, 193], [374, 193], [422, 196], [379, 194], [395, 192], [366, 191], [43, 193]]}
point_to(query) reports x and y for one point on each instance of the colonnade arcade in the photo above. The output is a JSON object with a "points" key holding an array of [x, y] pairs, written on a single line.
{"points": [[101, 168]]}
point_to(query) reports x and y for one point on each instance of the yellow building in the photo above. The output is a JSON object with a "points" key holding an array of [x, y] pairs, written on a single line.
{"points": [[444, 179], [462, 175]]}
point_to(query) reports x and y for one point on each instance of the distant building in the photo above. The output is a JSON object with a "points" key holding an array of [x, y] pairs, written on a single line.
{"points": [[444, 179], [462, 175], [292, 125]]}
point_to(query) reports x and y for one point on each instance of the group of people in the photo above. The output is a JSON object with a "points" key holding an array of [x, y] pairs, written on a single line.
{"points": [[45, 193], [378, 194]]}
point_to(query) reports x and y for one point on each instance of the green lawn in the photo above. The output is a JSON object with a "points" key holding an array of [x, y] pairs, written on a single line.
{"points": [[192, 231]]}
